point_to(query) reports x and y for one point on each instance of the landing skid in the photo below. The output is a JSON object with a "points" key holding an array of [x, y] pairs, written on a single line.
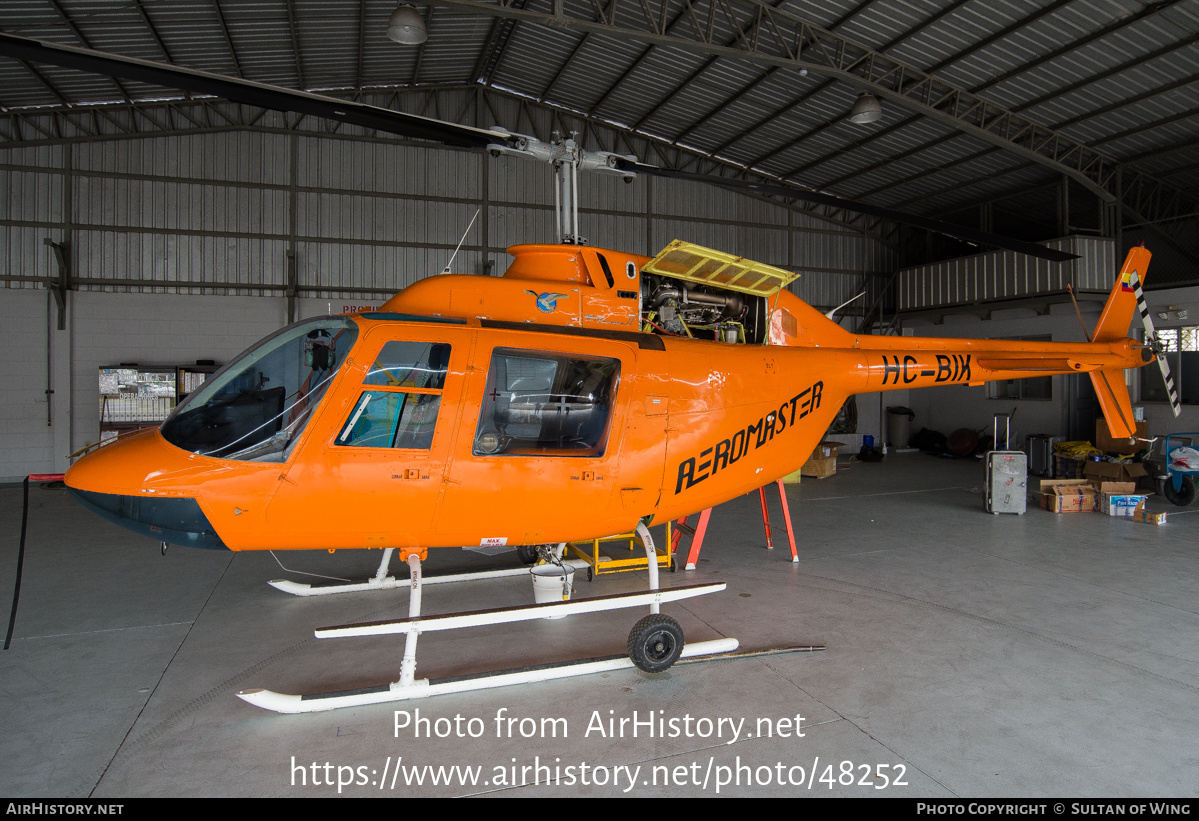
{"points": [[717, 650], [654, 644], [385, 693]]}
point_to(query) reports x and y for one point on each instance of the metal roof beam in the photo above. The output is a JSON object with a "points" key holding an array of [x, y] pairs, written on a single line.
{"points": [[361, 48], [295, 44], [1114, 71], [58, 9], [495, 48], [683, 84], [774, 37], [562, 68], [766, 75], [220, 16], [141, 9], [1165, 150], [1141, 128], [940, 15], [602, 131], [1017, 71], [420, 51], [968, 51]]}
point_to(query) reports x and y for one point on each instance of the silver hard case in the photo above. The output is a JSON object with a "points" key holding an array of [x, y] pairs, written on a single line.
{"points": [[1006, 485]]}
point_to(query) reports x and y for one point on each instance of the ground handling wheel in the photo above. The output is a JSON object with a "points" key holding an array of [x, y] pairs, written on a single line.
{"points": [[655, 643], [1183, 496]]}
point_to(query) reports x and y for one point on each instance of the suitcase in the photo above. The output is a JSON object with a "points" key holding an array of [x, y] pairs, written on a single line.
{"points": [[1006, 486], [1040, 454]]}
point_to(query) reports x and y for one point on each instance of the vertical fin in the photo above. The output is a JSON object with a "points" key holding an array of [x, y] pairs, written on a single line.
{"points": [[1121, 305]]}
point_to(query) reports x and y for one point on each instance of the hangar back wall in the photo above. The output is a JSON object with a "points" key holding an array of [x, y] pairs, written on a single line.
{"points": [[193, 245]]}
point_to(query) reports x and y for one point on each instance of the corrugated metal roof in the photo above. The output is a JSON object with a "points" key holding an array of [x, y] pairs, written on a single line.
{"points": [[1121, 77]]}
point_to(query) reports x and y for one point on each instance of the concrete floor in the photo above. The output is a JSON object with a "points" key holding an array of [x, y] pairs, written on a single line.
{"points": [[967, 655]]}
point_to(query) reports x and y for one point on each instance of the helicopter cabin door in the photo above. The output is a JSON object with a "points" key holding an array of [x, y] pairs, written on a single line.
{"points": [[548, 448], [374, 466]]}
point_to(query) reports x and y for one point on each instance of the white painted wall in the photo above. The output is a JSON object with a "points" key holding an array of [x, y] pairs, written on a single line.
{"points": [[108, 329], [26, 440]]}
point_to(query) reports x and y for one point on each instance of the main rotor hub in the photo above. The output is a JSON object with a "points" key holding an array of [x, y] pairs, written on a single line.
{"points": [[567, 159]]}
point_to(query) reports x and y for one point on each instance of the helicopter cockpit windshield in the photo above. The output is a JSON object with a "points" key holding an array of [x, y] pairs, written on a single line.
{"points": [[255, 407]]}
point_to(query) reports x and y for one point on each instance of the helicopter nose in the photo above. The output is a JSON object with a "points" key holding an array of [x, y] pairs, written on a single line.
{"points": [[174, 520], [117, 482]]}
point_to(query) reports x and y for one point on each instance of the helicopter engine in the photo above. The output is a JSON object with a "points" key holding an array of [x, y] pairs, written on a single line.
{"points": [[683, 308]]}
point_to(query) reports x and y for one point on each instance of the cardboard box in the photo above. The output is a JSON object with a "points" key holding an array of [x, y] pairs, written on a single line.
{"points": [[823, 461], [1122, 504], [1069, 496], [1114, 472], [819, 467], [1145, 517], [828, 448], [1105, 442]]}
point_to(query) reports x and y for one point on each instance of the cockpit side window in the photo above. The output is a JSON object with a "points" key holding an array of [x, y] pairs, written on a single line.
{"points": [[255, 407], [406, 364], [401, 410], [547, 404]]}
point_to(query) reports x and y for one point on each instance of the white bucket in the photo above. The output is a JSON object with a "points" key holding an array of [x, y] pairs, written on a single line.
{"points": [[547, 584]]}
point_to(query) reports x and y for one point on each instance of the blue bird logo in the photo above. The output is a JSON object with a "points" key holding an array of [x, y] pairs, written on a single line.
{"points": [[546, 302]]}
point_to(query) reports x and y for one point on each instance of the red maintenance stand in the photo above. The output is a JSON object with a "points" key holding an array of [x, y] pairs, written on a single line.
{"points": [[701, 528]]}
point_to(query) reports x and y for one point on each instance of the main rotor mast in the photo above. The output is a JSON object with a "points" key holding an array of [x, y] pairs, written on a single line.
{"points": [[567, 159]]}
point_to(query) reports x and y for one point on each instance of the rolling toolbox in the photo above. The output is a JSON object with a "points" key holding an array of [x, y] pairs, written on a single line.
{"points": [[1006, 486]]}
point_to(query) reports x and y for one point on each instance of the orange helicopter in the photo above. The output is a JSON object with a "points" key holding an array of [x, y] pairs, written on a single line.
{"points": [[602, 392], [570, 389]]}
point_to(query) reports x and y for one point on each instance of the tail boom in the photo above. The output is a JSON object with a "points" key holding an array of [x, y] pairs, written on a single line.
{"points": [[898, 363]]}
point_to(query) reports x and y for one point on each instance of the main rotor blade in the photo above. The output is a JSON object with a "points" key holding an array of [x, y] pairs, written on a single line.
{"points": [[246, 91], [410, 125], [938, 226]]}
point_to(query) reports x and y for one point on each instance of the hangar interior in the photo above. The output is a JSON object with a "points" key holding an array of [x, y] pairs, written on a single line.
{"points": [[1032, 655]]}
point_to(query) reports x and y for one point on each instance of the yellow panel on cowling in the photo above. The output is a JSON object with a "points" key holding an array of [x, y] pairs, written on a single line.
{"points": [[695, 263]]}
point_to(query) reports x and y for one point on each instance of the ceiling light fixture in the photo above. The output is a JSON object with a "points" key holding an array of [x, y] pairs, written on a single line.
{"points": [[867, 109], [406, 26]]}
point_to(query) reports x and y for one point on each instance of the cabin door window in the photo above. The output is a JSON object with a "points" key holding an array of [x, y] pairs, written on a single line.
{"points": [[539, 403], [400, 410]]}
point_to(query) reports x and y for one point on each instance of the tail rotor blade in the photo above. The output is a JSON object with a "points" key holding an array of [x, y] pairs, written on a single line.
{"points": [[1151, 338]]}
